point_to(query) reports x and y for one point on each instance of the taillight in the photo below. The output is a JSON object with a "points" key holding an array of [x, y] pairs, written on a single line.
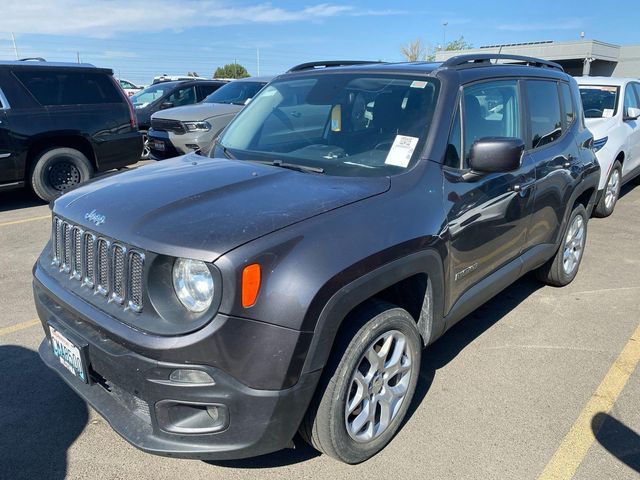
{"points": [[132, 114]]}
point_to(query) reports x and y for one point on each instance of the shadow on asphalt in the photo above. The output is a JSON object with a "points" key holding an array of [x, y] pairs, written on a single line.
{"points": [[433, 358], [467, 330], [40, 417], [617, 439], [627, 189], [19, 198]]}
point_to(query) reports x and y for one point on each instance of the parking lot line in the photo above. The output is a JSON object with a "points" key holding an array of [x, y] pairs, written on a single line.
{"points": [[576, 443], [19, 326], [24, 220]]}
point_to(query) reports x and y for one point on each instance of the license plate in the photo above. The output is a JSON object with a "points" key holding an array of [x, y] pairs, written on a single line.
{"points": [[158, 145], [69, 354]]}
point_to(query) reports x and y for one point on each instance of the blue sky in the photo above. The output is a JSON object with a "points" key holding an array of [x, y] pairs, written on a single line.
{"points": [[140, 39]]}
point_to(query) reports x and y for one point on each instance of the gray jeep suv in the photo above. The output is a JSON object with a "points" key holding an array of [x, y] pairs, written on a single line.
{"points": [[211, 307]]}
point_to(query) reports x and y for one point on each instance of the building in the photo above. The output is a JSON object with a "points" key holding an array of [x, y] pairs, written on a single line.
{"points": [[579, 57]]}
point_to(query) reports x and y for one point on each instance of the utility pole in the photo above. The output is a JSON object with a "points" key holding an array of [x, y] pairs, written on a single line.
{"points": [[15, 48], [258, 58], [78, 55], [444, 35]]}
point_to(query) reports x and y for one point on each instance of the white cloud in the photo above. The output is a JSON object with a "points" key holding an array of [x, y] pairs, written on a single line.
{"points": [[108, 18]]}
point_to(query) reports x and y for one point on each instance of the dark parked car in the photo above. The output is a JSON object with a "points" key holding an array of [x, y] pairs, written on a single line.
{"points": [[163, 95], [348, 216], [60, 123]]}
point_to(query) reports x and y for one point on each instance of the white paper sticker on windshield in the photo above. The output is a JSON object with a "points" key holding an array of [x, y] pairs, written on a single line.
{"points": [[607, 113], [418, 84], [401, 151]]}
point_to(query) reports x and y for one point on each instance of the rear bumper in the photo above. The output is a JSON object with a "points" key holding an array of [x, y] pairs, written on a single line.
{"points": [[135, 395], [118, 151]]}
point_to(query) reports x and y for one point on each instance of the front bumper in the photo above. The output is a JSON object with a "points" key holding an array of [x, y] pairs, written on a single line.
{"points": [[133, 392], [177, 144]]}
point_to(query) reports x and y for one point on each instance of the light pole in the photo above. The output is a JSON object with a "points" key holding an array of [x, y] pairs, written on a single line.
{"points": [[444, 35]]}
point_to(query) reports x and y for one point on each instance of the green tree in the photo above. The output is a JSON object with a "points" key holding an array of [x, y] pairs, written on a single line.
{"points": [[231, 70], [459, 44]]}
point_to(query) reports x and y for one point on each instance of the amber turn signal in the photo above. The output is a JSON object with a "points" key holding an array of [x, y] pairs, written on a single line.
{"points": [[250, 284]]}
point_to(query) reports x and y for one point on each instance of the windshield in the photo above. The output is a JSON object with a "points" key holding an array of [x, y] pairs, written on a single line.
{"points": [[599, 101], [149, 95], [237, 93], [342, 124]]}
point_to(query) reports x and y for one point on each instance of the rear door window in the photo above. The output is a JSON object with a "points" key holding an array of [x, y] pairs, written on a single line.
{"points": [[183, 96], [206, 90], [63, 87], [490, 109], [545, 119]]}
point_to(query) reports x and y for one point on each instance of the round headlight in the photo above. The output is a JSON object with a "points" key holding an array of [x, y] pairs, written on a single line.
{"points": [[193, 284]]}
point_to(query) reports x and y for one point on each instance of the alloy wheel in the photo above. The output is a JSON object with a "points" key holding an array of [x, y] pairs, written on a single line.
{"points": [[378, 386], [573, 245], [612, 189]]}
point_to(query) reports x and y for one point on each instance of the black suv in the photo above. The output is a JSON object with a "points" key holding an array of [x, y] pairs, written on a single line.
{"points": [[163, 95], [60, 123], [210, 307]]}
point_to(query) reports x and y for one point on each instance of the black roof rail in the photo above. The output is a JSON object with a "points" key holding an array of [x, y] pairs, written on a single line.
{"points": [[485, 59], [37, 59], [328, 63]]}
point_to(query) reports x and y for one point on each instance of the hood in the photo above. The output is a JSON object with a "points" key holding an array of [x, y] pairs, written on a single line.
{"points": [[600, 127], [198, 112], [201, 208]]}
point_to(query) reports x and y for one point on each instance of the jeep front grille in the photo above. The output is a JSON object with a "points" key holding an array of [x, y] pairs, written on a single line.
{"points": [[107, 267]]}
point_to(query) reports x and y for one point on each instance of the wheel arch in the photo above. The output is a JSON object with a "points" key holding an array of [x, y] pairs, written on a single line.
{"points": [[414, 282], [40, 144]]}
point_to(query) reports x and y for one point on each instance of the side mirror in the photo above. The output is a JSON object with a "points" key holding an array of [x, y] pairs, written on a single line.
{"points": [[496, 154], [632, 113], [165, 105]]}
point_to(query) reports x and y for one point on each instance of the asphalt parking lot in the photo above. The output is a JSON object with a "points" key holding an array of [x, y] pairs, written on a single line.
{"points": [[539, 383]]}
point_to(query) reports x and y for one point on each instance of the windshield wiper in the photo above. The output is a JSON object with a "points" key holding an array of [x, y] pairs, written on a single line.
{"points": [[225, 150], [290, 166]]}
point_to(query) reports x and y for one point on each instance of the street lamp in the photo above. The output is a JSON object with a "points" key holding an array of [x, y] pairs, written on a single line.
{"points": [[444, 35]]}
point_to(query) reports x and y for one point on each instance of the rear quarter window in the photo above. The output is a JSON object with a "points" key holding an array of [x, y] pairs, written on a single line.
{"points": [[51, 88]]}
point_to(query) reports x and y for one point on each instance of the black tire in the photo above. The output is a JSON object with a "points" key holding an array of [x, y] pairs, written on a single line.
{"points": [[554, 272], [325, 423], [146, 151], [58, 170], [603, 210]]}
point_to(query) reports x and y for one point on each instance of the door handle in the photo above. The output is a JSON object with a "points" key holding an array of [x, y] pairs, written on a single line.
{"points": [[568, 161], [522, 187]]}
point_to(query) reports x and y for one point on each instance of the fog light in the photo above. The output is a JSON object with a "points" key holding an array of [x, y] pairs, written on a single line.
{"points": [[214, 413], [191, 376]]}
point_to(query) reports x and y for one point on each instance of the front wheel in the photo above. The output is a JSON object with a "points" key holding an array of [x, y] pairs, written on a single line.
{"points": [[146, 149], [367, 386], [611, 192], [563, 267]]}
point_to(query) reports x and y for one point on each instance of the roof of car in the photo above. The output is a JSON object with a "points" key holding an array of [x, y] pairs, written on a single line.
{"points": [[44, 64], [613, 81], [262, 79], [469, 63]]}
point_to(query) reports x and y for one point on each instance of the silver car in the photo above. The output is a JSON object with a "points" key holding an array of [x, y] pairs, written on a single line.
{"points": [[177, 131]]}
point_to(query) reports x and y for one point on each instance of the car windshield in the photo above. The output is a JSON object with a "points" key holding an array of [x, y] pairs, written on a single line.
{"points": [[149, 95], [237, 93], [599, 101], [335, 123]]}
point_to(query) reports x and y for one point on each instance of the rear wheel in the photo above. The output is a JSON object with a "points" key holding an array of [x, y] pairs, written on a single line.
{"points": [[367, 386], [563, 267], [611, 192], [58, 170]]}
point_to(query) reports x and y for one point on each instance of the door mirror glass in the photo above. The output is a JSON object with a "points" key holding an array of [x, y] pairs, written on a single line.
{"points": [[165, 105], [632, 113], [496, 154]]}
